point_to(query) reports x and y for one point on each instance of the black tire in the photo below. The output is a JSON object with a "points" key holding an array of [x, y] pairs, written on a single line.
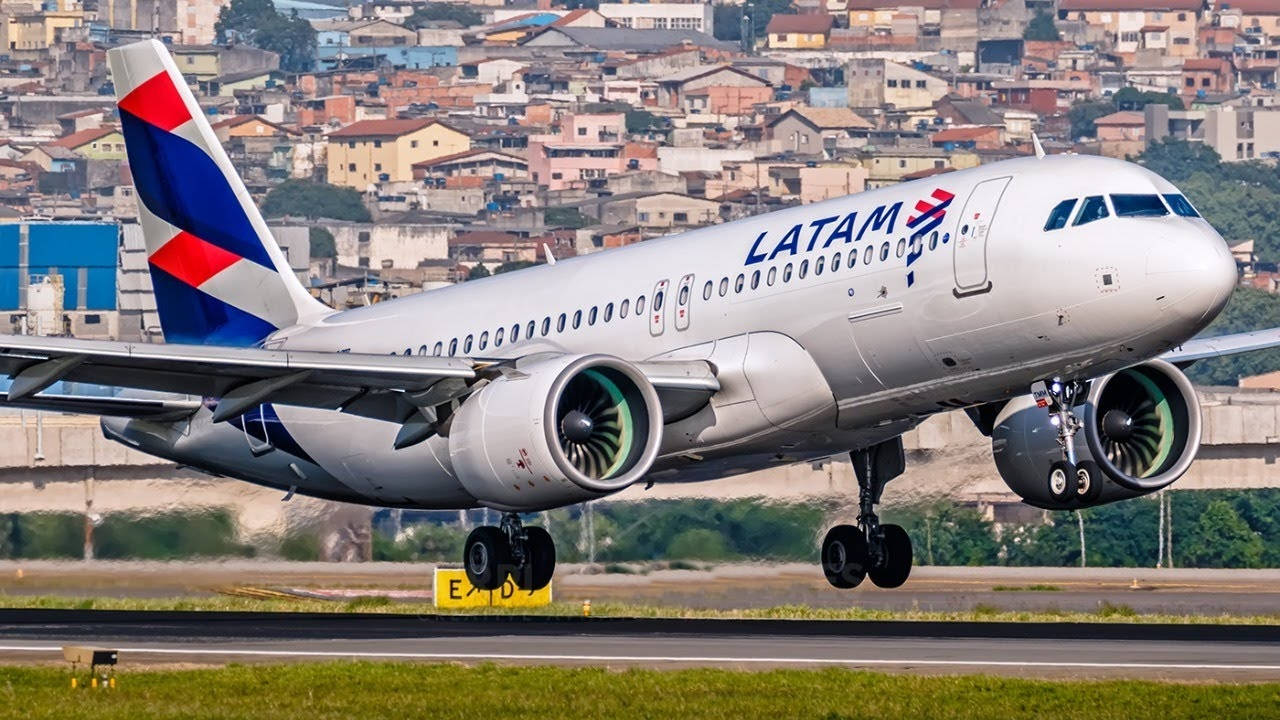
{"points": [[1088, 482], [895, 562], [1061, 482], [486, 558], [844, 556], [540, 560]]}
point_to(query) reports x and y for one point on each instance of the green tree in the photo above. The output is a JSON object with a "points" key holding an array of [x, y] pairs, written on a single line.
{"points": [[258, 23], [1221, 538], [698, 544], [478, 271], [944, 533], [566, 217], [513, 265], [641, 121], [322, 243], [302, 198], [1129, 98], [1042, 27], [428, 13]]}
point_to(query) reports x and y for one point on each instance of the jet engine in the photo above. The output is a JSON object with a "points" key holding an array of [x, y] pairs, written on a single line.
{"points": [[1141, 426], [556, 429]]}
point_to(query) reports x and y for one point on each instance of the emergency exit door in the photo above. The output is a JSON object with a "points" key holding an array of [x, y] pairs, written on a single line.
{"points": [[971, 236]]}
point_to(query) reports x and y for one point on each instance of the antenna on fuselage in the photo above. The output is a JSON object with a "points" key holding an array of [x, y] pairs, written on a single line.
{"points": [[1035, 142], [551, 259]]}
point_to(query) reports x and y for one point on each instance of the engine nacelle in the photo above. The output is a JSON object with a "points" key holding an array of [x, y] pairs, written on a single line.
{"points": [[1141, 425], [555, 430]]}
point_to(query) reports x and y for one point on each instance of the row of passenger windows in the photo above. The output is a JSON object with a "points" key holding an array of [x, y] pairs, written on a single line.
{"points": [[606, 314], [1095, 207], [790, 270], [534, 328]]}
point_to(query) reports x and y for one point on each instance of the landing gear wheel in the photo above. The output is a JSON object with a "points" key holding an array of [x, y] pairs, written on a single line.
{"points": [[895, 558], [540, 560], [487, 558], [844, 556], [1088, 481], [1063, 483]]}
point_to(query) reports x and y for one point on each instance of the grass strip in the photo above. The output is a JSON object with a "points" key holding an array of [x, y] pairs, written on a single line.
{"points": [[1106, 612], [364, 689]]}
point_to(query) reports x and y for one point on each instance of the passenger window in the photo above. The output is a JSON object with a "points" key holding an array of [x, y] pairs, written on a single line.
{"points": [[640, 305], [884, 251], [466, 345], [804, 270], [577, 319], [439, 348], [684, 295], [657, 301], [755, 280], [1138, 206], [422, 349], [724, 286], [560, 323], [706, 291], [546, 326], [835, 262], [786, 273], [497, 337], [1181, 206], [853, 258], [484, 339], [1057, 217], [608, 312], [817, 266], [866, 255], [453, 347], [737, 284], [772, 276], [515, 332], [591, 315], [528, 333], [933, 240], [902, 247], [622, 309], [1093, 208]]}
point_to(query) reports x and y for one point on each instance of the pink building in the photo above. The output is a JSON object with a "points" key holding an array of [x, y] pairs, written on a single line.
{"points": [[588, 147]]}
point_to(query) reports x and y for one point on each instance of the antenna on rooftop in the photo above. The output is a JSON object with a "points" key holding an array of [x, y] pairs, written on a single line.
{"points": [[1035, 141]]}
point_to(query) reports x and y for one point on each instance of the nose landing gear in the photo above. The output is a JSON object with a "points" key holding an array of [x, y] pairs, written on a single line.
{"points": [[1068, 479], [883, 552], [492, 554]]}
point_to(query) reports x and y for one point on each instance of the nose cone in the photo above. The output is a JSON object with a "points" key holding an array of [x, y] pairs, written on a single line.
{"points": [[1193, 275]]}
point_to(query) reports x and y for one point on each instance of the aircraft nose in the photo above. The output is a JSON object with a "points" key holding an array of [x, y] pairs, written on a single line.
{"points": [[1193, 273]]}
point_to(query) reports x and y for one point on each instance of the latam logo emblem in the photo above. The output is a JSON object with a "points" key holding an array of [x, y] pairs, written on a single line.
{"points": [[930, 213]]}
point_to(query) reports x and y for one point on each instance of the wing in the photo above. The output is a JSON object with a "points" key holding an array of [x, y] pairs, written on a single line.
{"points": [[1222, 346], [395, 388]]}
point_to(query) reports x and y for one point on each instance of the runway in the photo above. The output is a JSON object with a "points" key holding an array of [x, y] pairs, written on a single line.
{"points": [[1056, 650]]}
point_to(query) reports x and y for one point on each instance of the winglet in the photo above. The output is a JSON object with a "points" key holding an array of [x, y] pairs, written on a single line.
{"points": [[1035, 141]]}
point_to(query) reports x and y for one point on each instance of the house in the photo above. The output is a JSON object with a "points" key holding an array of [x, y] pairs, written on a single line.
{"points": [[208, 62], [660, 16], [1122, 134], [622, 39], [32, 32], [1206, 76], [879, 83], [938, 24], [89, 119], [666, 211], [339, 109], [808, 131], [891, 165], [482, 163], [103, 143], [372, 151], [1127, 26], [809, 31], [976, 137], [715, 89], [249, 126], [1255, 19]]}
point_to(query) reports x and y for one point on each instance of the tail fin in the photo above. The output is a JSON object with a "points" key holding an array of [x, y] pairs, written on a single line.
{"points": [[219, 276]]}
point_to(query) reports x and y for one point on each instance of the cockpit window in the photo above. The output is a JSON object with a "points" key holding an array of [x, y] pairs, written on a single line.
{"points": [[1060, 215], [1180, 205], [1138, 206], [1093, 208]]}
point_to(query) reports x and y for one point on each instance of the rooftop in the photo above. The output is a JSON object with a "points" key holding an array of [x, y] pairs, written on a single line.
{"points": [[84, 137], [811, 23], [383, 128]]}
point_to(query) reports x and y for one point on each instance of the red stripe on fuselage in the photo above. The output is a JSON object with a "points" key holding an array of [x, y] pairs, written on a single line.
{"points": [[157, 102], [192, 260]]}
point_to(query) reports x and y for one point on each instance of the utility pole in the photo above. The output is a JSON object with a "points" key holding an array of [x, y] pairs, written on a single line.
{"points": [[1080, 522], [88, 517]]}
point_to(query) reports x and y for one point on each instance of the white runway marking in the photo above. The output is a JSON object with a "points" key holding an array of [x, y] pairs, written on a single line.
{"points": [[716, 660]]}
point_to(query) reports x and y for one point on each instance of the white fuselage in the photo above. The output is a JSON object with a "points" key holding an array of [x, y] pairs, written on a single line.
{"points": [[816, 355]]}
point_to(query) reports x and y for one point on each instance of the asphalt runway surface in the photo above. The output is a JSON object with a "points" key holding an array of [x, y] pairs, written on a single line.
{"points": [[1228, 653]]}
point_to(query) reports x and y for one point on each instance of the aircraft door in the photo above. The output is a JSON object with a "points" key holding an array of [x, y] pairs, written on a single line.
{"points": [[971, 234], [658, 309], [684, 296]]}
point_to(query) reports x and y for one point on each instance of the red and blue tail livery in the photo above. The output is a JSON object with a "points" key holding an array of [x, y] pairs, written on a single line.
{"points": [[219, 277]]}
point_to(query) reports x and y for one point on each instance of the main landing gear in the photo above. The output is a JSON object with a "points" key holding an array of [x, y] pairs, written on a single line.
{"points": [[1068, 480], [527, 555], [882, 552]]}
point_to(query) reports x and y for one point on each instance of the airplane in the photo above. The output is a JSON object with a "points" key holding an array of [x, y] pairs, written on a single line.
{"points": [[1053, 298]]}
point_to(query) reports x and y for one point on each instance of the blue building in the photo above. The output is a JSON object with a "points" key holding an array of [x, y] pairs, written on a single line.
{"points": [[85, 254]]}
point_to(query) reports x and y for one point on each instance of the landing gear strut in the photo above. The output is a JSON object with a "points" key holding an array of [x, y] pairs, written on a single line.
{"points": [[527, 555], [1068, 479], [883, 552]]}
